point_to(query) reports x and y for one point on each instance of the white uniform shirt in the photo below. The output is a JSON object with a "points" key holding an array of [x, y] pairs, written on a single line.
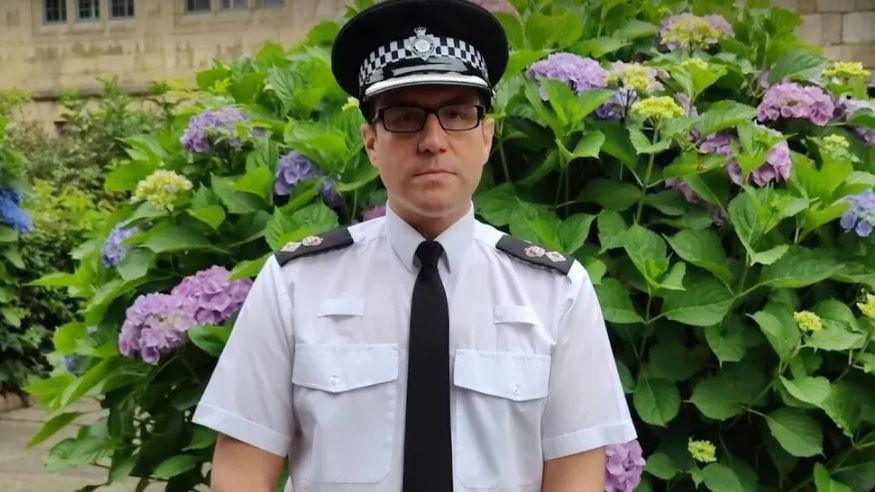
{"points": [[316, 366]]}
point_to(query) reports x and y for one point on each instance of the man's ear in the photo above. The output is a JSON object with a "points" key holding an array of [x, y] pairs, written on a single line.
{"points": [[369, 137], [488, 133]]}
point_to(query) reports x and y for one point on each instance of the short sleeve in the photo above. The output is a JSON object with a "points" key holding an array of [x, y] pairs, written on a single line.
{"points": [[585, 408], [249, 395]]}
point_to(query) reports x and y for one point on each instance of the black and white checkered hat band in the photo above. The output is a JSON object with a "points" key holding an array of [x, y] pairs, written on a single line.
{"points": [[407, 49]]}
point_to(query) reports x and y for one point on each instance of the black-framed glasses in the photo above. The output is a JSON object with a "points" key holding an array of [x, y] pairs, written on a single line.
{"points": [[410, 119]]}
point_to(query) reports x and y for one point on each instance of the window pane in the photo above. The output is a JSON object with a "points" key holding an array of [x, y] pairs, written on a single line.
{"points": [[122, 8], [55, 10], [270, 3], [197, 5], [89, 9], [235, 4]]}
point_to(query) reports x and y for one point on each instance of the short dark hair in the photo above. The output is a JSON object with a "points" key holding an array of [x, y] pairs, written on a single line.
{"points": [[369, 108]]}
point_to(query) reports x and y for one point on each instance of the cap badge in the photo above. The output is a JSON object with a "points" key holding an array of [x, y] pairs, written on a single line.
{"points": [[423, 45], [535, 251]]}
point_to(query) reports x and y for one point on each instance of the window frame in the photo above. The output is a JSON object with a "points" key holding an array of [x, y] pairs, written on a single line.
{"points": [[95, 11], [61, 10], [235, 5], [270, 4], [189, 11], [127, 5]]}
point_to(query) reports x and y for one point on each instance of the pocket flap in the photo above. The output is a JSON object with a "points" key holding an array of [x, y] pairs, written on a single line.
{"points": [[344, 367], [342, 306], [515, 314], [510, 375]]}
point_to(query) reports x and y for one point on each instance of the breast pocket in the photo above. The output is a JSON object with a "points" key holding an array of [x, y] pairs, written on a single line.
{"points": [[518, 329], [345, 398], [500, 397]]}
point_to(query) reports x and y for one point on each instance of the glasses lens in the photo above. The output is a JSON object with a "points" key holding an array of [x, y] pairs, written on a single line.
{"points": [[459, 117], [403, 119]]}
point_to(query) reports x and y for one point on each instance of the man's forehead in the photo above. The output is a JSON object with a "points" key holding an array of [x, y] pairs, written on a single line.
{"points": [[428, 95]]}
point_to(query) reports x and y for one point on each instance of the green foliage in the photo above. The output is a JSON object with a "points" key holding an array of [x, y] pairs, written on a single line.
{"points": [[699, 296]]}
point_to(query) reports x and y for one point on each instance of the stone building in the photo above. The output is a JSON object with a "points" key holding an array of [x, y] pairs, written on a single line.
{"points": [[47, 46]]}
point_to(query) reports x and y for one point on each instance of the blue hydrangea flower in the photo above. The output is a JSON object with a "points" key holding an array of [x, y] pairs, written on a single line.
{"points": [[210, 127], [11, 212], [861, 216], [292, 168], [617, 107], [114, 248], [581, 74]]}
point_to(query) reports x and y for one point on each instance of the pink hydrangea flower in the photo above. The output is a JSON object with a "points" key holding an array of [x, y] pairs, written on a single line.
{"points": [[791, 100], [623, 466]]}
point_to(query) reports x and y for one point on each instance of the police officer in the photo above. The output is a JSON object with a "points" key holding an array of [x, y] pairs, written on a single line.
{"points": [[423, 351]]}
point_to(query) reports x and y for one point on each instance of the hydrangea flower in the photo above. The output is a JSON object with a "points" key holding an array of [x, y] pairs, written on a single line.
{"points": [[617, 107], [807, 321], [691, 31], [836, 144], [868, 307], [623, 466], [658, 108], [114, 248], [702, 451], [496, 6], [694, 62], [293, 168], [210, 296], [373, 213], [860, 217], [71, 362], [11, 212], [718, 216], [154, 325], [844, 71], [210, 127], [847, 107], [161, 189], [689, 108], [791, 100], [351, 102], [636, 76], [776, 168], [581, 74]]}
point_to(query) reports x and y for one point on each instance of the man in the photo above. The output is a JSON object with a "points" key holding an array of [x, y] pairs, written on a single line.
{"points": [[423, 351]]}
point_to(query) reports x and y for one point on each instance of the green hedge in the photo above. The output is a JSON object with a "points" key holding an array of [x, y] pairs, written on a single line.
{"points": [[732, 307]]}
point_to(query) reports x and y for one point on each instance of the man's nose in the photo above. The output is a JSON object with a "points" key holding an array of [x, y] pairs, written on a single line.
{"points": [[434, 137]]}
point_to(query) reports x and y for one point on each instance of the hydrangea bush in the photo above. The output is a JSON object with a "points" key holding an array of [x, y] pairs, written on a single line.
{"points": [[709, 170]]}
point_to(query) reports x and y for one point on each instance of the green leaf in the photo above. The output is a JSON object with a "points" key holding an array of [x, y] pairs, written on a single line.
{"points": [[51, 427], [780, 331], [211, 339], [796, 431], [599, 47], [573, 232], [235, 201], [258, 180], [612, 195], [813, 390], [75, 452], [248, 268], [824, 482], [67, 337], [720, 478], [843, 406], [127, 175], [724, 114], [660, 466], [496, 204], [201, 438], [834, 338], [727, 394], [705, 302], [796, 64], [135, 263], [617, 306], [646, 249], [11, 316], [673, 361], [612, 229], [89, 380], [657, 401], [800, 267], [57, 279], [590, 144], [174, 466], [727, 339], [212, 215], [703, 249], [616, 142], [536, 223], [177, 238]]}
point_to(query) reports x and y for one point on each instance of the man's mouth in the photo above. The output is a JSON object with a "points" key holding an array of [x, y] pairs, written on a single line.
{"points": [[434, 171]]}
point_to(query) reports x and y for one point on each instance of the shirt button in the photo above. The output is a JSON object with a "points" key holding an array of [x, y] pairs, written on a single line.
{"points": [[334, 379], [516, 389]]}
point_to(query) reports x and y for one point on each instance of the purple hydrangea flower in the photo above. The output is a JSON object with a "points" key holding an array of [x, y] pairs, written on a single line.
{"points": [[210, 296], [496, 6], [847, 107], [113, 247], [378, 211], [617, 107], [860, 217], [11, 212], [210, 127], [581, 74], [688, 106], [623, 466], [791, 100], [718, 216], [776, 168], [293, 168], [154, 325]]}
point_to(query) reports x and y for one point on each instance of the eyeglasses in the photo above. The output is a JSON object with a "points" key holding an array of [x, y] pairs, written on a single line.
{"points": [[409, 119]]}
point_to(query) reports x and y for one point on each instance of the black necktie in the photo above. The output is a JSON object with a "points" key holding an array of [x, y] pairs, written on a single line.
{"points": [[428, 456]]}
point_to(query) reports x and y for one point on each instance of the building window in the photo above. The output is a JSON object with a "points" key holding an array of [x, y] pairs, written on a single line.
{"points": [[197, 5], [269, 3], [235, 4], [55, 10], [121, 8], [88, 9]]}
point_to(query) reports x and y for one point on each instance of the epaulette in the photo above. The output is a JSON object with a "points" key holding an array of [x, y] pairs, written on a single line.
{"points": [[535, 254], [310, 245]]}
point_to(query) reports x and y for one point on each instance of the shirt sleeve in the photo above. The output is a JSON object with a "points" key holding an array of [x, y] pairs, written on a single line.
{"points": [[585, 408], [249, 395]]}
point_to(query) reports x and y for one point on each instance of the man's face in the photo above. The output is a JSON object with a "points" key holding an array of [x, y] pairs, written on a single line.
{"points": [[431, 173]]}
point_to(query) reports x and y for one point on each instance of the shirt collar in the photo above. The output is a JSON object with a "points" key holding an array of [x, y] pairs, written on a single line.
{"points": [[404, 239]]}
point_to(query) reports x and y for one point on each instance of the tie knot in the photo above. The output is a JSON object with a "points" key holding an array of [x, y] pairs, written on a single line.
{"points": [[429, 252]]}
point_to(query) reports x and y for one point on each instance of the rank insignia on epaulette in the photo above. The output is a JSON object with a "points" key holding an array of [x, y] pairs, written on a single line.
{"points": [[319, 243], [535, 254]]}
